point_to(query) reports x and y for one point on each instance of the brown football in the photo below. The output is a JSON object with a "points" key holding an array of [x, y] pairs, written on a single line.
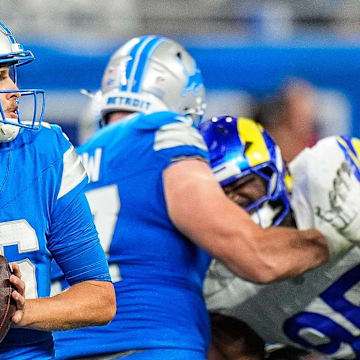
{"points": [[7, 303]]}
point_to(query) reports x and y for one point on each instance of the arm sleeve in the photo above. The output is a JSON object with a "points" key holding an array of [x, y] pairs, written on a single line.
{"points": [[74, 243], [72, 237]]}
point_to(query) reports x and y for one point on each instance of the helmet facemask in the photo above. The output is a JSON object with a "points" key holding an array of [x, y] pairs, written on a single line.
{"points": [[269, 208], [31, 101]]}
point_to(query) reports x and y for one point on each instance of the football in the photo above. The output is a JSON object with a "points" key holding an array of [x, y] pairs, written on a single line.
{"points": [[7, 303]]}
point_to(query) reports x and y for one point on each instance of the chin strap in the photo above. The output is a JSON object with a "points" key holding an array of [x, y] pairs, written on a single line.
{"points": [[8, 132]]}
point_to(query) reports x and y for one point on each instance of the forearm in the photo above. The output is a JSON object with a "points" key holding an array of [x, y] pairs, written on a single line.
{"points": [[288, 252], [84, 304]]}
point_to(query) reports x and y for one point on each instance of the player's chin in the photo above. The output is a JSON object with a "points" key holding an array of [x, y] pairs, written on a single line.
{"points": [[11, 115]]}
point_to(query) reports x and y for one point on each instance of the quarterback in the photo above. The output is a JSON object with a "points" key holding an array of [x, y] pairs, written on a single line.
{"points": [[43, 215], [319, 310]]}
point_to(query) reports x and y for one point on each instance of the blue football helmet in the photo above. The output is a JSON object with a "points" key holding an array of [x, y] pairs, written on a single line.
{"points": [[239, 147], [151, 73], [12, 54]]}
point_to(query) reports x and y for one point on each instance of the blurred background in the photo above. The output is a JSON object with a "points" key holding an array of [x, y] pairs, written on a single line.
{"points": [[294, 65]]}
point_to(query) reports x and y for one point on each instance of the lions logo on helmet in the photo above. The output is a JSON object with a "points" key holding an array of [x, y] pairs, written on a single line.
{"points": [[239, 147], [13, 54], [150, 74]]}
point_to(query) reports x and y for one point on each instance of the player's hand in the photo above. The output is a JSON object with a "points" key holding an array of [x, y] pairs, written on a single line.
{"points": [[19, 294], [344, 204]]}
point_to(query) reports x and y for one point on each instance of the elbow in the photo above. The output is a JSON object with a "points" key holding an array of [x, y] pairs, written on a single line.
{"points": [[111, 310], [107, 318], [108, 314], [108, 306]]}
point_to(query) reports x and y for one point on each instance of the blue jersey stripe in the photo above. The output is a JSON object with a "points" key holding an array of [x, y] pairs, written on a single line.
{"points": [[143, 62]]}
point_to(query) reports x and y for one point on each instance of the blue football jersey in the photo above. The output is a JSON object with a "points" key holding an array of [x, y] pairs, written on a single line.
{"points": [[43, 215], [157, 272]]}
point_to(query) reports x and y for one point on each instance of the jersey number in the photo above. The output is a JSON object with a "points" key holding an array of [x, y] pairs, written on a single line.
{"points": [[105, 206], [340, 337], [20, 233]]}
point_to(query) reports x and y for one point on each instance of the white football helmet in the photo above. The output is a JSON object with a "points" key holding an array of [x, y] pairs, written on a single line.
{"points": [[150, 74], [13, 54]]}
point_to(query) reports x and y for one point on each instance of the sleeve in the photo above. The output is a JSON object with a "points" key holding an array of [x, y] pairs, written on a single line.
{"points": [[74, 243], [72, 237], [179, 139], [313, 172], [73, 172], [300, 202], [318, 191]]}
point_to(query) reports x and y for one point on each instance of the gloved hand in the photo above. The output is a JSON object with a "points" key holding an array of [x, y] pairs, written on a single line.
{"points": [[344, 204]]}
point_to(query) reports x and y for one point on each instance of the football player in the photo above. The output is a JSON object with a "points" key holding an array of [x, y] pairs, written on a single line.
{"points": [[319, 310], [44, 214], [156, 205]]}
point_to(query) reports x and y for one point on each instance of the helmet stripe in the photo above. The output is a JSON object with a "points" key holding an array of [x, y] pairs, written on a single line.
{"points": [[142, 63], [250, 133], [16, 53], [7, 32], [130, 63], [135, 58]]}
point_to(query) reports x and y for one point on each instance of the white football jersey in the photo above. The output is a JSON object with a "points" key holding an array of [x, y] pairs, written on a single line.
{"points": [[319, 310]]}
